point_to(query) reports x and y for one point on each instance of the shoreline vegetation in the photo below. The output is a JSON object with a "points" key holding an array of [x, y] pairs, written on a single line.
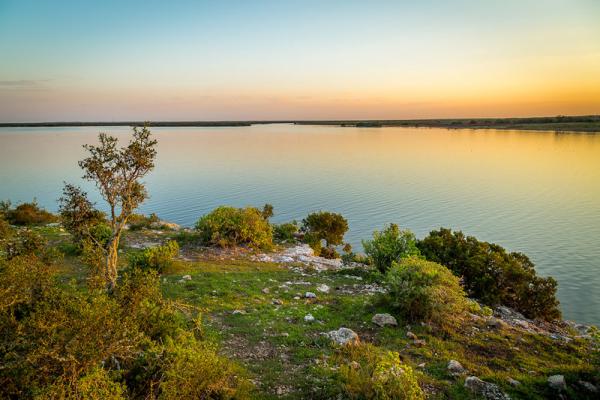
{"points": [[128, 306], [584, 123]]}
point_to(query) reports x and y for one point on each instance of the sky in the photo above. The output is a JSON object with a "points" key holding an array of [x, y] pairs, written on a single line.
{"points": [[278, 60]]}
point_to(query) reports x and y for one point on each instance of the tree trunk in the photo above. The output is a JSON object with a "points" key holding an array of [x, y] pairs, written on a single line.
{"points": [[111, 262]]}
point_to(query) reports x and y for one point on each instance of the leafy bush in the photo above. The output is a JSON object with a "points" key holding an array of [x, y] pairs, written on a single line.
{"points": [[422, 290], [5, 229], [158, 258], [229, 226], [493, 275], [137, 222], [390, 245], [81, 219], [29, 214], [192, 369], [285, 233], [327, 226], [368, 373]]}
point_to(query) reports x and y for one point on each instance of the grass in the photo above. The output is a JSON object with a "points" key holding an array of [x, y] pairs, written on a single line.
{"points": [[289, 358]]}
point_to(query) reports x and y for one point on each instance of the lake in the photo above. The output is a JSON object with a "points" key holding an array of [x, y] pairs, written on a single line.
{"points": [[534, 192]]}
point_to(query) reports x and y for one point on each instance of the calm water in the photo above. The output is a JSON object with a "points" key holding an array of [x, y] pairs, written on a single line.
{"points": [[535, 192]]}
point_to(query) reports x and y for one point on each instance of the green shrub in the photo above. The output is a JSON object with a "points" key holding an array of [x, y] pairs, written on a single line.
{"points": [[5, 229], [96, 385], [229, 226], [192, 369], [158, 258], [137, 222], [285, 233], [493, 275], [368, 373], [80, 218], [29, 214], [390, 245], [421, 290], [324, 226]]}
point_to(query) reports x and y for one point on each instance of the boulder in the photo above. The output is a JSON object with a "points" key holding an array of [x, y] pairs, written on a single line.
{"points": [[323, 288], [455, 368], [484, 389], [384, 320], [343, 336], [557, 382]]}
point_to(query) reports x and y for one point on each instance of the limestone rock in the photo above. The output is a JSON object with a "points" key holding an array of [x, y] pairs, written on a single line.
{"points": [[310, 295], [384, 320], [323, 288], [455, 368], [343, 336], [557, 382], [309, 318], [486, 390], [186, 277]]}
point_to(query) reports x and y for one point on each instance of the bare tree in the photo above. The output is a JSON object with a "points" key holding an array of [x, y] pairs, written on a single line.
{"points": [[117, 173]]}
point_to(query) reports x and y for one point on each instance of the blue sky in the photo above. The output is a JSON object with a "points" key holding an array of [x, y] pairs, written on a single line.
{"points": [[106, 60]]}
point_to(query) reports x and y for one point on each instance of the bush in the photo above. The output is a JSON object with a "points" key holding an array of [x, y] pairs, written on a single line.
{"points": [[29, 214], [5, 229], [390, 245], [137, 222], [157, 258], [192, 369], [422, 290], [327, 226], [229, 226], [81, 219], [368, 373], [285, 233], [493, 275]]}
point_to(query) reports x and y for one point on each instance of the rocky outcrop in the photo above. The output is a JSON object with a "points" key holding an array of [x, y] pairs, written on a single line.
{"points": [[384, 320], [487, 390]]}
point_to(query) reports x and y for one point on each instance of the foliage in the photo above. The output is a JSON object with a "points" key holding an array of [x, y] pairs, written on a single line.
{"points": [[29, 214], [493, 275], [267, 211], [117, 174], [422, 290], [327, 226], [285, 233], [79, 217], [229, 226], [24, 242], [140, 221], [158, 258], [5, 229], [368, 373], [390, 245], [192, 369]]}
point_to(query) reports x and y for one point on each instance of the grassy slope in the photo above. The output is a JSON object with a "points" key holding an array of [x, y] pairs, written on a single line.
{"points": [[287, 357]]}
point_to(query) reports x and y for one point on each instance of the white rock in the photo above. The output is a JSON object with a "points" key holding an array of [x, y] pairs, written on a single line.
{"points": [[455, 368], [343, 336], [323, 288], [187, 277], [384, 320], [265, 290], [237, 312], [310, 295], [486, 390], [309, 318], [557, 382]]}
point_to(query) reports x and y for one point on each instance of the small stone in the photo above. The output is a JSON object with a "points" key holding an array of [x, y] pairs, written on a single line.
{"points": [[455, 368], [588, 386], [296, 297], [310, 295], [495, 323], [557, 382], [411, 335], [513, 382], [309, 318], [266, 290], [384, 320], [323, 288], [422, 365], [238, 312], [343, 336], [277, 302], [187, 277], [487, 390], [354, 365], [420, 343]]}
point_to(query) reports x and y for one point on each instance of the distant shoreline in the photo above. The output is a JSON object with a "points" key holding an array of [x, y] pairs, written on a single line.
{"points": [[585, 123]]}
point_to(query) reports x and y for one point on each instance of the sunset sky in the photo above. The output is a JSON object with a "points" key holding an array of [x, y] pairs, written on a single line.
{"points": [[237, 60]]}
